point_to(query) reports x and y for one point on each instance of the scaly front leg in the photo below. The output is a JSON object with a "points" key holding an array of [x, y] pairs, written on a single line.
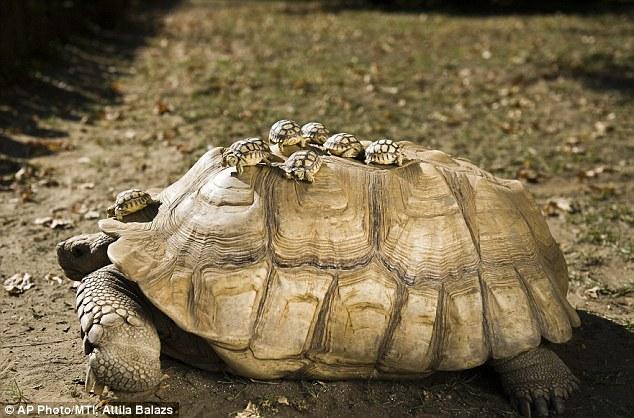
{"points": [[119, 335]]}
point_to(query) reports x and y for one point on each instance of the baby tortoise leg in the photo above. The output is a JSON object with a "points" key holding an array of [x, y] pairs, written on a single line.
{"points": [[119, 335], [536, 380], [240, 167], [350, 153], [309, 177]]}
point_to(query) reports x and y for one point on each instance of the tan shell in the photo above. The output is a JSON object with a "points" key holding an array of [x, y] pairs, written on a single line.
{"points": [[302, 165], [367, 272], [236, 146], [246, 152], [285, 133], [383, 152], [315, 132], [344, 145], [128, 202]]}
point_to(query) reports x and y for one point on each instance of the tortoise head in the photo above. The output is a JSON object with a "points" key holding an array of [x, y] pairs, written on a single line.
{"points": [[229, 159], [83, 254]]}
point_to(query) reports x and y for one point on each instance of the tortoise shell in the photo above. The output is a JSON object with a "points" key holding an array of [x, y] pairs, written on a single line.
{"points": [[302, 165], [283, 130], [383, 151], [367, 272], [304, 159], [239, 146], [128, 202], [343, 145], [315, 132]]}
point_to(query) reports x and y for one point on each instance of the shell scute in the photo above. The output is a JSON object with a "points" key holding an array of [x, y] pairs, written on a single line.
{"points": [[419, 209], [359, 316], [411, 348], [338, 236], [294, 301], [462, 340]]}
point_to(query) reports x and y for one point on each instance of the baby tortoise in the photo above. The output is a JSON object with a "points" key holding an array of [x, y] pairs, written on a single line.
{"points": [[285, 133], [315, 132], [384, 152], [343, 145], [246, 152], [302, 165], [128, 202]]}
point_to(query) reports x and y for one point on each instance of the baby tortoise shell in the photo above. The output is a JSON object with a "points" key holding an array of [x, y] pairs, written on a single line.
{"points": [[343, 145], [285, 133], [128, 202], [302, 165], [246, 152], [384, 152], [315, 132]]}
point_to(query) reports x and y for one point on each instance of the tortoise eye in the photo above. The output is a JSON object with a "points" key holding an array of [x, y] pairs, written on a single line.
{"points": [[78, 251]]}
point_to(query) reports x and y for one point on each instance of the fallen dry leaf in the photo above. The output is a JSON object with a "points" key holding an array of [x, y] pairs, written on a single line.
{"points": [[557, 205], [53, 278], [251, 411], [594, 292], [43, 221], [62, 224], [592, 173], [527, 174], [91, 214], [18, 284], [161, 107]]}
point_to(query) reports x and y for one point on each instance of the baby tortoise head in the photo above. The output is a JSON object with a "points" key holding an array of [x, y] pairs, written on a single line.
{"points": [[384, 152], [315, 133], [302, 165], [128, 202], [285, 133], [246, 152], [343, 145]]}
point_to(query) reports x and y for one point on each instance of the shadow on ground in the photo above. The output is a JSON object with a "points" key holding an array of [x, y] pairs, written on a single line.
{"points": [[483, 7], [72, 78], [601, 354], [601, 71]]}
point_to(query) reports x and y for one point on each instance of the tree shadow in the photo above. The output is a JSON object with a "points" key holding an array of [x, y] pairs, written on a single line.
{"points": [[602, 71], [483, 7], [71, 77]]}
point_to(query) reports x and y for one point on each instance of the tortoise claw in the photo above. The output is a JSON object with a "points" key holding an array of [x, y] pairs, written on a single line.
{"points": [[537, 382], [524, 407], [541, 406], [558, 405]]}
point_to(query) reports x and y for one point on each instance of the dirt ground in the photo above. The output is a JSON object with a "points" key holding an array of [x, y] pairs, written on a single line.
{"points": [[544, 98]]}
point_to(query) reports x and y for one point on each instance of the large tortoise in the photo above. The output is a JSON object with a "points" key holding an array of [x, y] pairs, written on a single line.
{"points": [[369, 272]]}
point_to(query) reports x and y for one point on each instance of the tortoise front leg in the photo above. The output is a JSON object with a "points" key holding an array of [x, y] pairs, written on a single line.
{"points": [[119, 335], [536, 380]]}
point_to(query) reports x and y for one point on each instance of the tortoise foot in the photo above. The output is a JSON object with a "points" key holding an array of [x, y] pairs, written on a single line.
{"points": [[537, 382], [120, 339]]}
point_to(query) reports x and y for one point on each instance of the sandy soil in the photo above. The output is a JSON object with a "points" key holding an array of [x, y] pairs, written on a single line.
{"points": [[136, 106]]}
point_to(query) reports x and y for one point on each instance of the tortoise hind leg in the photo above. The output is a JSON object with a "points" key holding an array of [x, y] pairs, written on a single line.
{"points": [[120, 338], [535, 380]]}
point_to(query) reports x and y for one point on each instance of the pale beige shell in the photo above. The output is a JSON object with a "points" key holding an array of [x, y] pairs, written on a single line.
{"points": [[368, 272]]}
